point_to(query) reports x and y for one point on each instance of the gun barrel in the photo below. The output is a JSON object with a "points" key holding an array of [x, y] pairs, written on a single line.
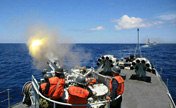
{"points": [[50, 65], [88, 73], [55, 62]]}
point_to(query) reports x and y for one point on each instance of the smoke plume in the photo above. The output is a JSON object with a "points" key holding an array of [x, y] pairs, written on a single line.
{"points": [[45, 45]]}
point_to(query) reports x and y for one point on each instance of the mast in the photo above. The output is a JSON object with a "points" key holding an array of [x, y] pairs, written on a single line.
{"points": [[138, 49], [138, 35]]}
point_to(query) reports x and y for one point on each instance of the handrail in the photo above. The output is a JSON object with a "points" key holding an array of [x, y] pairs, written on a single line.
{"points": [[4, 100], [171, 99], [5, 90], [76, 104], [7, 98], [67, 104], [33, 79], [168, 93]]}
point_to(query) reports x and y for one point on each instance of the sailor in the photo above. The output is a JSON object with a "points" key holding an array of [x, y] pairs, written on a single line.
{"points": [[46, 77], [91, 80], [54, 86], [116, 86], [78, 94]]}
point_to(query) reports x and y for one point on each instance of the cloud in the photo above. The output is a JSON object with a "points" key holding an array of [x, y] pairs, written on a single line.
{"points": [[126, 22], [97, 28], [173, 23], [168, 17]]}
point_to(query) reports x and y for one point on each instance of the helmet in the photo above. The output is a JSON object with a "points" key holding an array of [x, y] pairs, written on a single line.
{"points": [[116, 69], [59, 70], [47, 76], [44, 71], [81, 80]]}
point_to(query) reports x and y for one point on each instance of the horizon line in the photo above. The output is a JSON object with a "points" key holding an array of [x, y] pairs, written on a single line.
{"points": [[83, 43]]}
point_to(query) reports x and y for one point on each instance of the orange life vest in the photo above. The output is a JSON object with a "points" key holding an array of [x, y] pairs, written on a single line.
{"points": [[59, 90], [120, 88], [92, 82], [77, 95]]}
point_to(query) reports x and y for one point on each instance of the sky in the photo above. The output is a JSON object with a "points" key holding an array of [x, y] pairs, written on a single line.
{"points": [[91, 21]]}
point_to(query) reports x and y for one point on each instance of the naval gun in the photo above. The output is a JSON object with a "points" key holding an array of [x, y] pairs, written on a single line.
{"points": [[52, 64], [31, 90], [51, 73], [70, 78]]}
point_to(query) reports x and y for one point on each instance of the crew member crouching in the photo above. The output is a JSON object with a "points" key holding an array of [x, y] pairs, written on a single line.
{"points": [[91, 80], [116, 86], [78, 94], [54, 87]]}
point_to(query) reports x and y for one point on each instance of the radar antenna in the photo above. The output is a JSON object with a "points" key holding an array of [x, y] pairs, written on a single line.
{"points": [[138, 48]]}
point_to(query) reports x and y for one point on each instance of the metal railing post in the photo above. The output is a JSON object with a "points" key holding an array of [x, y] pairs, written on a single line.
{"points": [[8, 98], [167, 82], [109, 104], [161, 72], [54, 106]]}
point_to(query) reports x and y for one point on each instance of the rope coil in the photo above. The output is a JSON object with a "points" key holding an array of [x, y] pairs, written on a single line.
{"points": [[26, 88]]}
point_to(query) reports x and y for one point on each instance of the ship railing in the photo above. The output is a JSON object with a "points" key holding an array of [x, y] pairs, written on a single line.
{"points": [[168, 93], [7, 99], [36, 93]]}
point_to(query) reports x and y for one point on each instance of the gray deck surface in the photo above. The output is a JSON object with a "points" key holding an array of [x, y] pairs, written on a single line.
{"points": [[140, 94], [19, 105]]}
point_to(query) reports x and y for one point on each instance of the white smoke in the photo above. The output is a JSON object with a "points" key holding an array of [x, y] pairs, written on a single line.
{"points": [[54, 47]]}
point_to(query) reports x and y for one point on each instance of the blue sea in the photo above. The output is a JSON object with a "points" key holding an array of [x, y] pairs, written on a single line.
{"points": [[16, 65]]}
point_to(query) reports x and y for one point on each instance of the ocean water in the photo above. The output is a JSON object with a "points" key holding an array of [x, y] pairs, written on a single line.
{"points": [[16, 65]]}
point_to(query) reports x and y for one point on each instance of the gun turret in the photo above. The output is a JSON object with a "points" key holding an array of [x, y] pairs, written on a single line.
{"points": [[53, 64]]}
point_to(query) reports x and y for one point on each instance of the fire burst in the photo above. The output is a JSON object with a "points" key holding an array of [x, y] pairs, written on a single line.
{"points": [[35, 47], [36, 44]]}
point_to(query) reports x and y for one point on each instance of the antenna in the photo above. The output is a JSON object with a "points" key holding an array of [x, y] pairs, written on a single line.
{"points": [[138, 49]]}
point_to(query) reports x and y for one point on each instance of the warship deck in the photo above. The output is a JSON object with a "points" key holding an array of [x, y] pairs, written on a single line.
{"points": [[20, 105], [141, 94]]}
